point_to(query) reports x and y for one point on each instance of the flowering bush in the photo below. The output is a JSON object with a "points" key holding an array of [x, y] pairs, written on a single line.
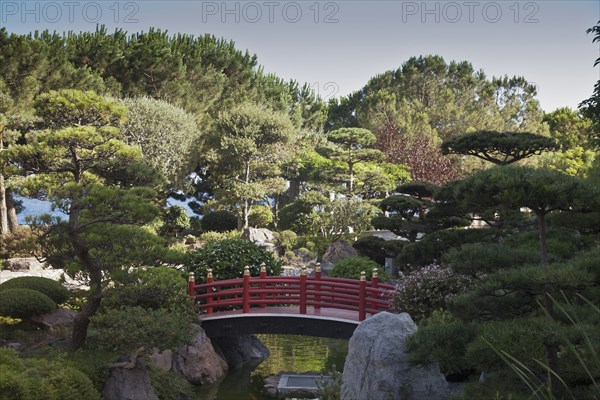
{"points": [[426, 290]]}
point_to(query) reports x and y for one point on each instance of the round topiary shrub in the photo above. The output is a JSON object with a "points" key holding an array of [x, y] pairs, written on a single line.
{"points": [[24, 303], [219, 221], [228, 257], [51, 288], [426, 290], [351, 267]]}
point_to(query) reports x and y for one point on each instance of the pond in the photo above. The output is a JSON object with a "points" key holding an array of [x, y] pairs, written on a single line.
{"points": [[289, 353]]}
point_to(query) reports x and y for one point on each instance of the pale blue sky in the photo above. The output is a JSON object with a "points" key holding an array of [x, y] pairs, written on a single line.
{"points": [[337, 46]]}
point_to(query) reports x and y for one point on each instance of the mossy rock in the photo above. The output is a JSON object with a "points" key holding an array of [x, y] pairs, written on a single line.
{"points": [[51, 288], [24, 303]]}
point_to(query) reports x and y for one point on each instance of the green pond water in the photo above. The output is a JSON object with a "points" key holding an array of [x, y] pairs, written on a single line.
{"points": [[289, 353]]}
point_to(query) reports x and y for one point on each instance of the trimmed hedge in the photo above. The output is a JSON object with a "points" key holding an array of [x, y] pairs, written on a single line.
{"points": [[51, 288], [24, 303]]}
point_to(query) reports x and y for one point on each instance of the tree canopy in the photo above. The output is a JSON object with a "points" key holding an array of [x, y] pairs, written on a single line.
{"points": [[500, 148]]}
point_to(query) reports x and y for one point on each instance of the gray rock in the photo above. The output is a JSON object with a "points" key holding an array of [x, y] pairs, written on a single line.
{"points": [[23, 264], [129, 384], [163, 360], [377, 368], [57, 318], [338, 251], [198, 362], [259, 235], [241, 351]]}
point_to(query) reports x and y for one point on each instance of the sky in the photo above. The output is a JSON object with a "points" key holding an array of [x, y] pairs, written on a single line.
{"points": [[337, 46]]}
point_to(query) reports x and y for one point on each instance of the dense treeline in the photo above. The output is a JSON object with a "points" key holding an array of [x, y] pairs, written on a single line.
{"points": [[108, 125]]}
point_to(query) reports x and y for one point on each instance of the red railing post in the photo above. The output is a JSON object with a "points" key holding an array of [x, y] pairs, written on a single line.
{"points": [[263, 275], [362, 290], [317, 286], [303, 291], [246, 290], [209, 299], [374, 285]]}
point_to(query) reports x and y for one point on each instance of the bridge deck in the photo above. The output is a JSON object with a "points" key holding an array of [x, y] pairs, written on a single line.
{"points": [[291, 311]]}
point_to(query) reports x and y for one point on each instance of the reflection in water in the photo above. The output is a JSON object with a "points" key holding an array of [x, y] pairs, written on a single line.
{"points": [[289, 353]]}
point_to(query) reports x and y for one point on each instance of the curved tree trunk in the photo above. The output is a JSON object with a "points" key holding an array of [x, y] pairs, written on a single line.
{"points": [[3, 208], [13, 221]]}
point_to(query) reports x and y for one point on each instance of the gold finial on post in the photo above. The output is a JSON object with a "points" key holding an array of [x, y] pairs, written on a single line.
{"points": [[363, 276], [191, 277], [375, 273], [263, 267], [318, 267], [303, 271], [246, 271], [209, 274]]}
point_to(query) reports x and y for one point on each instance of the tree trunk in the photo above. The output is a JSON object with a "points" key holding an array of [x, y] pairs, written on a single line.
{"points": [[82, 321], [13, 221], [294, 190], [3, 208]]}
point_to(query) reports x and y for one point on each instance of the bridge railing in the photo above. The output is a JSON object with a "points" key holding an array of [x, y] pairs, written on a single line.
{"points": [[362, 296]]}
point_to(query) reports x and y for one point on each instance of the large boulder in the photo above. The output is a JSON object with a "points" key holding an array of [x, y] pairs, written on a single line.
{"points": [[129, 384], [198, 362], [259, 235], [58, 318], [23, 264], [241, 351], [377, 367], [338, 251]]}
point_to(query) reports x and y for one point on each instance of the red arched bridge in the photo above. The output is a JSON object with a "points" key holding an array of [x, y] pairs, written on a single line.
{"points": [[305, 305]]}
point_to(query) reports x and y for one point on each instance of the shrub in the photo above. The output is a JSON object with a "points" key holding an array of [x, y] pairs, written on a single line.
{"points": [[169, 385], [351, 267], [261, 216], [228, 257], [286, 240], [24, 303], [219, 221], [426, 290], [125, 329], [176, 220], [42, 379], [154, 287], [51, 288], [20, 243]]}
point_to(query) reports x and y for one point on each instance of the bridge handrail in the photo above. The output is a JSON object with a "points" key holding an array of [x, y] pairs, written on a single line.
{"points": [[316, 291]]}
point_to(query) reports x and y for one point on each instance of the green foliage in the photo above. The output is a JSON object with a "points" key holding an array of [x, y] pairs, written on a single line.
{"points": [[286, 240], [26, 379], [102, 184], [431, 247], [427, 289], [126, 329], [152, 288], [351, 267], [51, 288], [219, 221], [169, 385], [500, 148], [176, 220], [248, 147], [480, 259], [372, 247], [445, 343], [19, 243], [24, 303], [69, 107], [261, 216], [168, 136], [228, 257], [352, 147]]}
